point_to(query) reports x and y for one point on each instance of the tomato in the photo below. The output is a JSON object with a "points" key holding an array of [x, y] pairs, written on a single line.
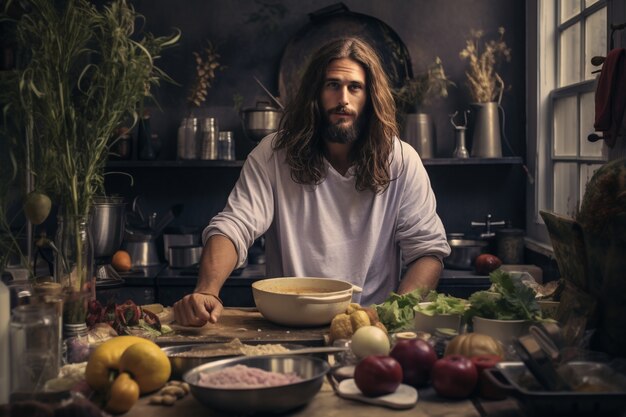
{"points": [[417, 357], [486, 263], [454, 376], [123, 394], [378, 375], [486, 389]]}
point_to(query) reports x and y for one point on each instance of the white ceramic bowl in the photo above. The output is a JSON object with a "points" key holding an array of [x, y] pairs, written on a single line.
{"points": [[427, 323], [504, 331], [302, 301]]}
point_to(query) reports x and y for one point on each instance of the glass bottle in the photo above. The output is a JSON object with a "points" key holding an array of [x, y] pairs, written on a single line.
{"points": [[74, 267], [180, 143], [35, 347]]}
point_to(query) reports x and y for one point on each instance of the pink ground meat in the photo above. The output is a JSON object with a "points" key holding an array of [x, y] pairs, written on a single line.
{"points": [[241, 376]]}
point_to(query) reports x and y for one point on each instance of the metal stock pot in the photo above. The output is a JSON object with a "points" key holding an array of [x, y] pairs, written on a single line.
{"points": [[260, 121]]}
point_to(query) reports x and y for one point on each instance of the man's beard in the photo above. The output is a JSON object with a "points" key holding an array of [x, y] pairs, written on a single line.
{"points": [[341, 132]]}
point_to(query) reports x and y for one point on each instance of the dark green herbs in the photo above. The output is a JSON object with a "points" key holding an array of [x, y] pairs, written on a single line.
{"points": [[508, 298]]}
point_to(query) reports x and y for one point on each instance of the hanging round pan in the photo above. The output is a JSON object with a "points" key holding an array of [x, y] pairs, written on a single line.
{"points": [[337, 21]]}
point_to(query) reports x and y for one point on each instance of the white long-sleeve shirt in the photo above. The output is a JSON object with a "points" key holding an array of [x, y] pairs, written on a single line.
{"points": [[332, 230]]}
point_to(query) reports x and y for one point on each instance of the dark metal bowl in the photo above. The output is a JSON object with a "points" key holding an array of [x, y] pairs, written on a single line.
{"points": [[464, 252], [262, 400]]}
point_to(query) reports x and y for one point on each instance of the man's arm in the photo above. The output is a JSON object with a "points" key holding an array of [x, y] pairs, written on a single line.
{"points": [[422, 273], [219, 258]]}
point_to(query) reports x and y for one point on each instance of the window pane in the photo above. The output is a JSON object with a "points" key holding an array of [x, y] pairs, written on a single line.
{"points": [[569, 8], [595, 40], [586, 172], [565, 126], [569, 56], [565, 188], [590, 2], [587, 117]]}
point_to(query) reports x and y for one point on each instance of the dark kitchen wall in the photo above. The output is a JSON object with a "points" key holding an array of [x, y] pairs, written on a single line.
{"points": [[251, 39]]}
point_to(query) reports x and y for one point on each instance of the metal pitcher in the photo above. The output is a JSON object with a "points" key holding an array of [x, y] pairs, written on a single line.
{"points": [[486, 142]]}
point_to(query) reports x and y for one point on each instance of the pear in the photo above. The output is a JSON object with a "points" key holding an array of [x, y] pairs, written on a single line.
{"points": [[37, 207]]}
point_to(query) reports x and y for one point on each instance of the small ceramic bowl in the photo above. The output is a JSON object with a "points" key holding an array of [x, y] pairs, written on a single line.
{"points": [[428, 323], [504, 331]]}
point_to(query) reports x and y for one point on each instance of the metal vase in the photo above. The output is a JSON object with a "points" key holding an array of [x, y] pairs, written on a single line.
{"points": [[486, 142], [419, 132]]}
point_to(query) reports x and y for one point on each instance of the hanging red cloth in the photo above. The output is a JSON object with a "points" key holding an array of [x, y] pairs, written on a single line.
{"points": [[611, 96]]}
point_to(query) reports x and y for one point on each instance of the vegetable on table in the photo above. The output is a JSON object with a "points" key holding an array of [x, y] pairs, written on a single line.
{"points": [[123, 394], [438, 303], [473, 344], [369, 340], [508, 298], [343, 325], [397, 311]]}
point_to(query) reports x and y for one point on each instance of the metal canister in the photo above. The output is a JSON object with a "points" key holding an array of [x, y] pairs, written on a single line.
{"points": [[510, 246], [209, 139]]}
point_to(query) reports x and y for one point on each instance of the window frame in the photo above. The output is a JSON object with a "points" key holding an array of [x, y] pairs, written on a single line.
{"points": [[543, 72]]}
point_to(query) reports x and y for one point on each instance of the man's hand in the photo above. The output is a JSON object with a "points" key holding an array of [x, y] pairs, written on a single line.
{"points": [[197, 309]]}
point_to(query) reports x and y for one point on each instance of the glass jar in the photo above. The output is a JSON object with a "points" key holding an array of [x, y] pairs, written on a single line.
{"points": [[35, 347], [226, 146]]}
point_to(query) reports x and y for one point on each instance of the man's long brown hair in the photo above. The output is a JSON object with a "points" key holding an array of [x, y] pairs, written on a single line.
{"points": [[300, 127]]}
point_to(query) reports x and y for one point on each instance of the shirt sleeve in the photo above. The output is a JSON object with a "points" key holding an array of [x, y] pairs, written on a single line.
{"points": [[250, 207], [420, 231]]}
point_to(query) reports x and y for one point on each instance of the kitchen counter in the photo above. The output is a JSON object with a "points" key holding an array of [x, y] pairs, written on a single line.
{"points": [[324, 404]]}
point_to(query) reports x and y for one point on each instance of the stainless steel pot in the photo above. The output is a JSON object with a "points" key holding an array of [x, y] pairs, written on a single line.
{"points": [[260, 121], [107, 225], [464, 253], [142, 250], [184, 256], [302, 302]]}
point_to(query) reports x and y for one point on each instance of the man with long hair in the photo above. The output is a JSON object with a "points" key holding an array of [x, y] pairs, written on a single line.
{"points": [[335, 192]]}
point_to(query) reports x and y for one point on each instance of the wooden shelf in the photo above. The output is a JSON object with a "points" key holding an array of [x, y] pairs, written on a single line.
{"points": [[505, 160], [176, 164]]}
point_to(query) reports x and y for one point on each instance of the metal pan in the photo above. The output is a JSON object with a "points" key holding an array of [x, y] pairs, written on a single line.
{"points": [[602, 391]]}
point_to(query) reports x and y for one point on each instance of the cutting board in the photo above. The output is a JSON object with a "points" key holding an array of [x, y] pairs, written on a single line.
{"points": [[249, 326]]}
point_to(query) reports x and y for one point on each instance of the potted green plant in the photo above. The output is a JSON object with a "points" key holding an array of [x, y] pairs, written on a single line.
{"points": [[486, 88], [82, 71], [411, 99]]}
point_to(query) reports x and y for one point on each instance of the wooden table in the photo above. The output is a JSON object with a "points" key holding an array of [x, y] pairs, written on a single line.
{"points": [[249, 326], [324, 404]]}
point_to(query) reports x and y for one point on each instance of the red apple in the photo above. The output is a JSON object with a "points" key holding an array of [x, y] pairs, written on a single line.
{"points": [[417, 358], [486, 263], [378, 375], [454, 376]]}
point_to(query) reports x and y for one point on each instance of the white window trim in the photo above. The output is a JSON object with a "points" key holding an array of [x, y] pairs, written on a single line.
{"points": [[540, 84]]}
